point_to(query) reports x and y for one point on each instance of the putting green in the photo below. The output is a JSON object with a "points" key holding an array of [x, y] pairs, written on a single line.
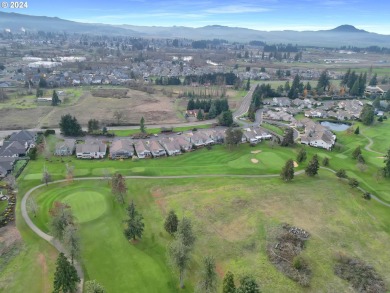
{"points": [[86, 205]]}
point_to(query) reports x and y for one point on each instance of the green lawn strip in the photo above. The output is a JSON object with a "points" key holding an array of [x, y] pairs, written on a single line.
{"points": [[273, 128], [3, 205], [130, 132]]}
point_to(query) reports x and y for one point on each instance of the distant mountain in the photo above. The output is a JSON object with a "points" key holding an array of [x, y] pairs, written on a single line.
{"points": [[17, 22], [346, 28], [344, 35]]}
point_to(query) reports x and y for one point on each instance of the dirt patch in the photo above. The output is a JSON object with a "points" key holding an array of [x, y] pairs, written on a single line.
{"points": [[295, 164], [162, 204], [256, 152], [236, 230], [110, 93], [284, 252], [254, 161], [381, 157], [11, 118], [9, 236], [240, 203], [155, 108], [361, 276], [156, 192], [219, 270], [43, 264]]}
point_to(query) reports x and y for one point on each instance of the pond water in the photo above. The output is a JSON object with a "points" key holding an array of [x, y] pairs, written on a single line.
{"points": [[335, 126]]}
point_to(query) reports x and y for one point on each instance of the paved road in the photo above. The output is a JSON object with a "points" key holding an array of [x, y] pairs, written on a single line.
{"points": [[244, 106]]}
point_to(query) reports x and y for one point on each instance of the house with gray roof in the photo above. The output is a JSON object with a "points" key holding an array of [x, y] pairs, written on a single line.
{"points": [[142, 150], [121, 149], [6, 166], [171, 146], [12, 149], [91, 149], [65, 148], [156, 149], [25, 137]]}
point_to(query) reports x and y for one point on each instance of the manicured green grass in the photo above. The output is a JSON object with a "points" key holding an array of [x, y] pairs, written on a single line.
{"points": [[379, 132], [233, 220], [273, 128], [130, 132], [3, 205], [106, 254]]}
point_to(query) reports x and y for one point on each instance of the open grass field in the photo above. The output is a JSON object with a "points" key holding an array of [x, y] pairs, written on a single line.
{"points": [[157, 130], [233, 221], [233, 217]]}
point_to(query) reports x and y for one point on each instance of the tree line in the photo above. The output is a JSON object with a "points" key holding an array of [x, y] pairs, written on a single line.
{"points": [[212, 78]]}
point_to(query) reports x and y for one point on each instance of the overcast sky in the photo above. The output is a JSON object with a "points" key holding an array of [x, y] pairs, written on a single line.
{"points": [[373, 16]]}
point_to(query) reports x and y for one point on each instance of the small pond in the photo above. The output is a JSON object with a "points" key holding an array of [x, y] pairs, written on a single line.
{"points": [[335, 126]]}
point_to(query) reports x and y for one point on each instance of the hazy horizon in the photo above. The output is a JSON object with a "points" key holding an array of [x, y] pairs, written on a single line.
{"points": [[266, 15]]}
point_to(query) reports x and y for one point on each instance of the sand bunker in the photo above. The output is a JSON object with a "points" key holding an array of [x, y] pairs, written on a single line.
{"points": [[295, 164], [381, 157], [256, 152], [254, 161]]}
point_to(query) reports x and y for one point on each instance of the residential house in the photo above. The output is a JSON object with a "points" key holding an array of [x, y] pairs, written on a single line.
{"points": [[91, 149], [171, 146], [142, 150], [65, 148], [12, 149], [317, 135], [156, 149], [25, 137], [6, 166], [121, 149], [185, 145]]}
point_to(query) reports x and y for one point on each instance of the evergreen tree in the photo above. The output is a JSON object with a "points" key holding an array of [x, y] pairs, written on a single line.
{"points": [[208, 276], [355, 88], [142, 125], [228, 283], [55, 100], [377, 102], [373, 80], [386, 168], [325, 162], [135, 224], [345, 78], [341, 173], [288, 138], [287, 173], [226, 118], [200, 116], [323, 82], [248, 84], [287, 86], [301, 157], [213, 111], [387, 96], [65, 276], [356, 152], [312, 167], [93, 125], [357, 130], [171, 222], [308, 86], [353, 182], [248, 285], [69, 126], [191, 104], [233, 137], [367, 115]]}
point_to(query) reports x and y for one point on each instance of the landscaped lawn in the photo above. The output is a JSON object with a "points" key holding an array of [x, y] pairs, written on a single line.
{"points": [[232, 219], [357, 227], [106, 254], [3, 205]]}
